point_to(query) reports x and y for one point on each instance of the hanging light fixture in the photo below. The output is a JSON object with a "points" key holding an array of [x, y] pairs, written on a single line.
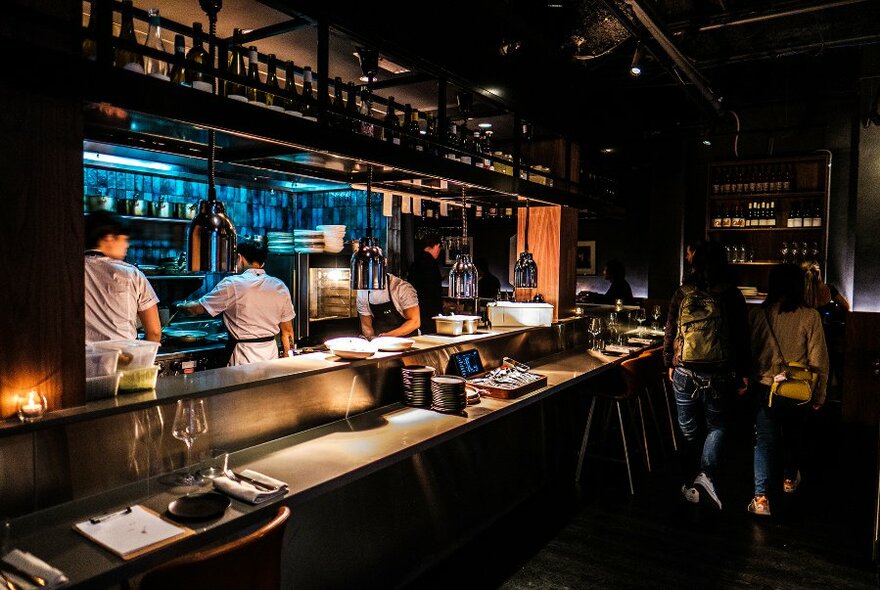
{"points": [[463, 276], [635, 69], [525, 272], [368, 262], [211, 237]]}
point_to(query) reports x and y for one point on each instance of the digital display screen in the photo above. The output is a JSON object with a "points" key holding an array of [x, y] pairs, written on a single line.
{"points": [[467, 362]]}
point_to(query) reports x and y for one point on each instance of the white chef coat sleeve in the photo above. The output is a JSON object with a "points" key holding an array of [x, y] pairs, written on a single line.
{"points": [[363, 306], [146, 295], [287, 312], [406, 296], [220, 298]]}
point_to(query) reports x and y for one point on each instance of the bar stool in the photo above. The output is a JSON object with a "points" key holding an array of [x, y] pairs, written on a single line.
{"points": [[658, 382], [252, 561], [631, 389]]}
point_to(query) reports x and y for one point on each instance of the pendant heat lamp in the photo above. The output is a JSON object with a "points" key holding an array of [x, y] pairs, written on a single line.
{"points": [[463, 276], [368, 262], [525, 272], [211, 238]]}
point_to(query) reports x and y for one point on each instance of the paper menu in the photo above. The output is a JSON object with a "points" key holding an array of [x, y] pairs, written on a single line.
{"points": [[132, 534]]}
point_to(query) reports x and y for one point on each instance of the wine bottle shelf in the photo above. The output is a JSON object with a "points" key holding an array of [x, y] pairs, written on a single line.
{"points": [[767, 195], [763, 229]]}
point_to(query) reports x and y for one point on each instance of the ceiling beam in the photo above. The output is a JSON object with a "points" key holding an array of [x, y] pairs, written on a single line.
{"points": [[276, 29]]}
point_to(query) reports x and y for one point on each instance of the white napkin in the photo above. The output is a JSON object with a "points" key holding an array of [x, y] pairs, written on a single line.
{"points": [[32, 564], [247, 492], [620, 348]]}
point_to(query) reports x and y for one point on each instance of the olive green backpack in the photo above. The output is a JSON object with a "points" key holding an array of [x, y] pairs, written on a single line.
{"points": [[702, 342]]}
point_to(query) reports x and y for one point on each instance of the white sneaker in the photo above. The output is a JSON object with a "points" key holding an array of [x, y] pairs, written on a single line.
{"points": [[790, 486], [704, 482], [690, 494]]}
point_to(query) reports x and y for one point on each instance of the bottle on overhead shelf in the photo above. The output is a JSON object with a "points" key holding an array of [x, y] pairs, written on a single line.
{"points": [[273, 96], [414, 131], [236, 69], [716, 216], [797, 216], [788, 178], [817, 215], [391, 133], [726, 217], [89, 47], [366, 125], [338, 104], [452, 140], [351, 107], [178, 70], [155, 66], [128, 58], [291, 98], [255, 94], [199, 57], [716, 181], [308, 101]]}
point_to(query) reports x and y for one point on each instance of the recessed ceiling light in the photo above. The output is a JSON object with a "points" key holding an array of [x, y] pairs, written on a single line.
{"points": [[484, 125], [608, 150]]}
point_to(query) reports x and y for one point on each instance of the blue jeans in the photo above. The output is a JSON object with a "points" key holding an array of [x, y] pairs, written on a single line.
{"points": [[782, 425], [701, 399]]}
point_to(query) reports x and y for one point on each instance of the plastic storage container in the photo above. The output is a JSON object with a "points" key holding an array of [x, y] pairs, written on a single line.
{"points": [[102, 386], [136, 379], [134, 354], [510, 313], [100, 363]]}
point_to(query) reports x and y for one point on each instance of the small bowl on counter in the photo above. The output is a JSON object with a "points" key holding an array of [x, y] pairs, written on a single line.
{"points": [[392, 344]]}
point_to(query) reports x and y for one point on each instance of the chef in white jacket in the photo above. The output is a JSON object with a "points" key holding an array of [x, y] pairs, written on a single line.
{"points": [[255, 308], [117, 294]]}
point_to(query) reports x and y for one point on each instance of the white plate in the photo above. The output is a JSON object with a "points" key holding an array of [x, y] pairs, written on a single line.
{"points": [[351, 348], [392, 344]]}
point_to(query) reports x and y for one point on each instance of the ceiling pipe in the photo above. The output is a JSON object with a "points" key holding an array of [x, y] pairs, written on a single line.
{"points": [[774, 15], [650, 23]]}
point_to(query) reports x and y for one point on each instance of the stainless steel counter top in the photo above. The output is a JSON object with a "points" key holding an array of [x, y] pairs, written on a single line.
{"points": [[313, 462]]}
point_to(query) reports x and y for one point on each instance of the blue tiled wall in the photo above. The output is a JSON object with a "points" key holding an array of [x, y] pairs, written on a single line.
{"points": [[252, 210]]}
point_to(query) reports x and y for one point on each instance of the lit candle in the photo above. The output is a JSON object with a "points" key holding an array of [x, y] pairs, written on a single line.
{"points": [[31, 407]]}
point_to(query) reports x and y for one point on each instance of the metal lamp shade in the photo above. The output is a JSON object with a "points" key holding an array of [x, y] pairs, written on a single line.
{"points": [[211, 240], [463, 278], [525, 272], [368, 265]]}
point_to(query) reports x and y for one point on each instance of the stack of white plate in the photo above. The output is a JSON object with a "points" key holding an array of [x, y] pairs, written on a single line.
{"points": [[280, 242], [307, 241], [417, 385], [448, 394], [334, 236]]}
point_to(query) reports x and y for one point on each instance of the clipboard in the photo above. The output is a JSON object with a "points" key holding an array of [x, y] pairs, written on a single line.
{"points": [[130, 535]]}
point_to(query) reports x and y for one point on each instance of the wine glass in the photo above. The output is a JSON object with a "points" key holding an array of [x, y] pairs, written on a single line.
{"points": [[613, 328], [595, 328], [784, 251], [655, 313], [190, 422], [640, 317]]}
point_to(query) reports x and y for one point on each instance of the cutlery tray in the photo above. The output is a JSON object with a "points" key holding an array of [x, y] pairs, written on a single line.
{"points": [[511, 391]]}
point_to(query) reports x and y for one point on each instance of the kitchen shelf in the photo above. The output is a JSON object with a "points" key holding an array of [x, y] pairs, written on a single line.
{"points": [[758, 263], [763, 229], [139, 218], [770, 195]]}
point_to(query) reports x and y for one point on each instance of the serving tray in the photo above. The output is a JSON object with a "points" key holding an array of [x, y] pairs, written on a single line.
{"points": [[508, 392]]}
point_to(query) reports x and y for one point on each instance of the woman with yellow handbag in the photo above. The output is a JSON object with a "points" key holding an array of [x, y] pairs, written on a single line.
{"points": [[790, 370]]}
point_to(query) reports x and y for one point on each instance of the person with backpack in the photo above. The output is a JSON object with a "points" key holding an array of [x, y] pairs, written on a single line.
{"points": [[706, 350], [785, 329]]}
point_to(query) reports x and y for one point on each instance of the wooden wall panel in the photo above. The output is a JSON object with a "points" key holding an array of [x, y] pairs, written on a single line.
{"points": [[860, 401], [41, 220], [553, 243]]}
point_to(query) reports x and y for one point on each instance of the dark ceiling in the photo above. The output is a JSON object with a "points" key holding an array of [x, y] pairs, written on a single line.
{"points": [[566, 62]]}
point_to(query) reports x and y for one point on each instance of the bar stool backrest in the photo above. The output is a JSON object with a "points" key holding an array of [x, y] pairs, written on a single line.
{"points": [[252, 562]]}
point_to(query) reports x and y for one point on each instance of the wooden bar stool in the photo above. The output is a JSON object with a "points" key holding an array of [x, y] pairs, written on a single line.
{"points": [[631, 389], [252, 561]]}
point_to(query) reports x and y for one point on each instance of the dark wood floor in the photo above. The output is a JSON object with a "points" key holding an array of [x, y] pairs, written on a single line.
{"points": [[596, 535]]}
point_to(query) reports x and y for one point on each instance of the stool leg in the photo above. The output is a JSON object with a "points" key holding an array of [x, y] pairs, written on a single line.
{"points": [[577, 475], [669, 413], [632, 489], [644, 433]]}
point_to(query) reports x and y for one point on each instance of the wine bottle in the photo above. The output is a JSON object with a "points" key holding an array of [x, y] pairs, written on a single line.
{"points": [[772, 216], [452, 140], [89, 47], [366, 126], [128, 58], [716, 181], [199, 57], [739, 221], [154, 66], [726, 219], [351, 107], [413, 130], [338, 103], [477, 143], [308, 102], [237, 69], [788, 179], [817, 215], [178, 69], [797, 217], [255, 94], [391, 132], [291, 97], [273, 96], [716, 217]]}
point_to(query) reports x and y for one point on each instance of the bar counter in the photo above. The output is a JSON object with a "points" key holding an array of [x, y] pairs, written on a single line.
{"points": [[371, 485]]}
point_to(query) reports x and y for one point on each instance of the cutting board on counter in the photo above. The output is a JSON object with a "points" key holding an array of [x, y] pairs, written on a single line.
{"points": [[509, 392]]}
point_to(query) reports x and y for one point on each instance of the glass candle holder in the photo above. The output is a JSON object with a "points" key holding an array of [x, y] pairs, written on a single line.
{"points": [[31, 406]]}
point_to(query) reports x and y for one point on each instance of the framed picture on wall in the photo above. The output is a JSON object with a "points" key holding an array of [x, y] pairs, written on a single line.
{"points": [[586, 258]]}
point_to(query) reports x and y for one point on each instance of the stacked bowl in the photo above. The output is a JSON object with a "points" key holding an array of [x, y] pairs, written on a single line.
{"points": [[280, 242], [334, 235], [307, 241]]}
